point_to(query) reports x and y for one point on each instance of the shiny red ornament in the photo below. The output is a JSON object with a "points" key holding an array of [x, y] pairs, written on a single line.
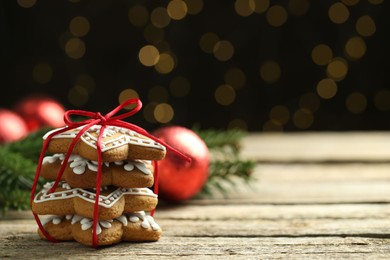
{"points": [[178, 179], [12, 126], [40, 111]]}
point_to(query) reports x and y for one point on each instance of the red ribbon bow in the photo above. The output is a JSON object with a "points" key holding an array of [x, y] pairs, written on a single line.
{"points": [[95, 119]]}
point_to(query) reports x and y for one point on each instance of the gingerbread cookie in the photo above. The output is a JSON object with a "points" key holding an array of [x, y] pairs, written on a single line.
{"points": [[135, 227], [117, 144], [113, 201], [81, 172]]}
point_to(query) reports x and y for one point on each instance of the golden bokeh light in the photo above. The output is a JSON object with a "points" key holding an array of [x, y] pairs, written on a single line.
{"points": [[355, 48], [194, 6], [160, 18], [365, 26], [382, 100], [321, 54], [158, 94], [165, 64], [280, 114], [337, 69], [148, 112], [75, 48], [350, 2], [138, 15], [298, 7], [270, 71], [79, 26], [238, 123], [326, 88], [163, 113], [356, 103], [78, 96], [125, 95], [310, 101], [303, 119], [42, 73], [149, 55], [153, 34], [208, 41], [375, 2], [180, 86], [272, 126], [223, 50], [244, 7], [86, 81], [177, 9], [338, 13], [26, 3], [225, 95], [276, 15], [261, 6], [235, 77]]}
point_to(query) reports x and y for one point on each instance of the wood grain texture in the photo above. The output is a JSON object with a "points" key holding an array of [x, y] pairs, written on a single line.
{"points": [[315, 196], [318, 147]]}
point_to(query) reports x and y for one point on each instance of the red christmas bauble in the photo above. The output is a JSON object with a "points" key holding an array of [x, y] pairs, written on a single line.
{"points": [[12, 126], [39, 111], [178, 179]]}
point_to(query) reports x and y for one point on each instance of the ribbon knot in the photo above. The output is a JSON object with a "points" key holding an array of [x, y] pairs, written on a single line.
{"points": [[102, 119], [94, 119]]}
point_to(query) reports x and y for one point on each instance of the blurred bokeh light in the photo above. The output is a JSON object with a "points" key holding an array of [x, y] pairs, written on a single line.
{"points": [[258, 65]]}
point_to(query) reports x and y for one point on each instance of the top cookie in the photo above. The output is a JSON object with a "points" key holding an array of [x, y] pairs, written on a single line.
{"points": [[117, 144]]}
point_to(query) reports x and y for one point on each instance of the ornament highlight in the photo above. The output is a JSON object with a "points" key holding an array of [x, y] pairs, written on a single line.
{"points": [[178, 179], [40, 111], [12, 126]]}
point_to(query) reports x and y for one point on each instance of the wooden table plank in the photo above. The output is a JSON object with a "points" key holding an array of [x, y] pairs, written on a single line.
{"points": [[318, 147], [316, 196], [312, 183], [204, 248]]}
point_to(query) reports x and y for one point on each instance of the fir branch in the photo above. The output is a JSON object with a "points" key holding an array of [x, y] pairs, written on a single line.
{"points": [[221, 139], [16, 178], [16, 199], [226, 172], [226, 166], [29, 147]]}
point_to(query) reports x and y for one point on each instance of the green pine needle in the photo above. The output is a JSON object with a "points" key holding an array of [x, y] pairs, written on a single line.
{"points": [[220, 139], [224, 174], [30, 147], [226, 166]]}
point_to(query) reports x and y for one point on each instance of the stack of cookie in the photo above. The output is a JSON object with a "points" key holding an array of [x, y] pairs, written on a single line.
{"points": [[125, 198]]}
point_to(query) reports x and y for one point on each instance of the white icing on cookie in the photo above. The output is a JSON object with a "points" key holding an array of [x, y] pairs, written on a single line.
{"points": [[147, 220], [87, 223], [106, 201], [127, 137], [80, 164]]}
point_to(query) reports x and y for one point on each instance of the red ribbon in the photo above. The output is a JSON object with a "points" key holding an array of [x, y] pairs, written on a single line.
{"points": [[95, 119]]}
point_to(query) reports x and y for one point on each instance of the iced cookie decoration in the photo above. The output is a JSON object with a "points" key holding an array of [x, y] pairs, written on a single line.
{"points": [[134, 227], [117, 144], [102, 180], [81, 172], [113, 201]]}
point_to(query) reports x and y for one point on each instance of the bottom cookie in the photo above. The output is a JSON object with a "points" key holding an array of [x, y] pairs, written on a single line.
{"points": [[133, 227]]}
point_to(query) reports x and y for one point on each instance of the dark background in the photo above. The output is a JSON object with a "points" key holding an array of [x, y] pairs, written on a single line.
{"points": [[34, 60]]}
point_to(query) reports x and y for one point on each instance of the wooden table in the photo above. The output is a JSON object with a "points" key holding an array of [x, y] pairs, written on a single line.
{"points": [[316, 195]]}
